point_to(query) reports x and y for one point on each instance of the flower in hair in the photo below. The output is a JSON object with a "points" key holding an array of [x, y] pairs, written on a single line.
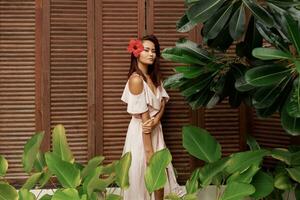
{"points": [[135, 47]]}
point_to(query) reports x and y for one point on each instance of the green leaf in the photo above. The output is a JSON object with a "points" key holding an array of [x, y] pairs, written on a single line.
{"points": [[46, 197], [289, 123], [110, 168], [237, 23], [191, 71], [295, 159], [293, 105], [39, 163], [243, 160], [180, 55], [282, 154], [293, 31], [263, 184], [65, 194], [266, 96], [203, 10], [211, 170], [45, 177], [24, 194], [172, 196], [173, 81], [60, 144], [67, 174], [192, 183], [237, 191], [282, 182], [94, 183], [8, 192], [184, 24], [284, 3], [3, 165], [266, 75], [215, 24], [113, 197], [155, 176], [252, 143], [32, 181], [297, 64], [92, 164], [294, 173], [245, 176], [199, 143], [242, 85], [259, 12], [122, 171], [270, 54], [31, 150], [194, 49]]}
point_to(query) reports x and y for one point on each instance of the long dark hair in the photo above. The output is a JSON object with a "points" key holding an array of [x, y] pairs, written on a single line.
{"points": [[154, 69]]}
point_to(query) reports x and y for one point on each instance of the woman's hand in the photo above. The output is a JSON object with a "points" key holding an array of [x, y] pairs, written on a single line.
{"points": [[149, 125]]}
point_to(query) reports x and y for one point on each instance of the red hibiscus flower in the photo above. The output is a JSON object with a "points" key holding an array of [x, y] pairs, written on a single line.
{"points": [[135, 47]]}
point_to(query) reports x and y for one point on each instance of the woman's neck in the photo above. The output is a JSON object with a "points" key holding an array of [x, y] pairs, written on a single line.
{"points": [[143, 68]]}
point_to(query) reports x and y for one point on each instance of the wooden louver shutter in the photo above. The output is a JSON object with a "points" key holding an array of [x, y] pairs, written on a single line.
{"points": [[17, 81], [177, 114], [116, 23], [69, 75]]}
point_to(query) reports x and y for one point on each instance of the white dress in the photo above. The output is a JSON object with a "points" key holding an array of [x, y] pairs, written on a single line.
{"points": [[137, 104]]}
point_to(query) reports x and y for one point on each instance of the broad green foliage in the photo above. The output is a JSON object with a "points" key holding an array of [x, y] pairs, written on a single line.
{"points": [[263, 77]]}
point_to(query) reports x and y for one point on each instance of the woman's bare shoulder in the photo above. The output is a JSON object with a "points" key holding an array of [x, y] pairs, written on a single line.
{"points": [[136, 85]]}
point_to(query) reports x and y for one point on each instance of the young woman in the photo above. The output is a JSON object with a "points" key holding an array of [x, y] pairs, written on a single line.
{"points": [[146, 99]]}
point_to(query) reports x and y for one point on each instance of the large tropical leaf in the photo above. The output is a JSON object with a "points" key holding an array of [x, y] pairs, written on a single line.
{"points": [[199, 143], [32, 181], [293, 105], [65, 194], [259, 13], [24, 194], [67, 174], [215, 24], [191, 72], [237, 191], [293, 31], [3, 166], [180, 55], [46, 197], [244, 176], [155, 176], [252, 143], [94, 183], [237, 23], [243, 160], [8, 192], [284, 3], [192, 184], [31, 150], [266, 75], [184, 24], [294, 173], [173, 81], [113, 197], [263, 184], [211, 170], [92, 164], [282, 154], [203, 10], [282, 182], [60, 144], [270, 54], [289, 123], [194, 49], [122, 171]]}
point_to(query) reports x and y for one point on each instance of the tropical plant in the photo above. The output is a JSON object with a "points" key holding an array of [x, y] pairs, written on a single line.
{"points": [[241, 172], [75, 181], [264, 72]]}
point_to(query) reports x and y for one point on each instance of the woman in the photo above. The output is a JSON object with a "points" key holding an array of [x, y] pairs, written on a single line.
{"points": [[145, 98]]}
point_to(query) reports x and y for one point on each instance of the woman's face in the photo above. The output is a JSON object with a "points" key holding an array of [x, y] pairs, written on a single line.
{"points": [[148, 55]]}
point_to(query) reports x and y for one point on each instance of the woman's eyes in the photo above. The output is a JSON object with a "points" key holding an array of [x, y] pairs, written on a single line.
{"points": [[147, 50]]}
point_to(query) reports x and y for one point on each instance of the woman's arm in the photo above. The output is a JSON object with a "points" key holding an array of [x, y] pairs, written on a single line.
{"points": [[136, 87]]}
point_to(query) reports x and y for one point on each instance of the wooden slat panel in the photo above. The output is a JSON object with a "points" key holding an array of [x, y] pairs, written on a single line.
{"points": [[177, 112], [223, 122], [119, 24], [17, 81], [69, 72]]}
